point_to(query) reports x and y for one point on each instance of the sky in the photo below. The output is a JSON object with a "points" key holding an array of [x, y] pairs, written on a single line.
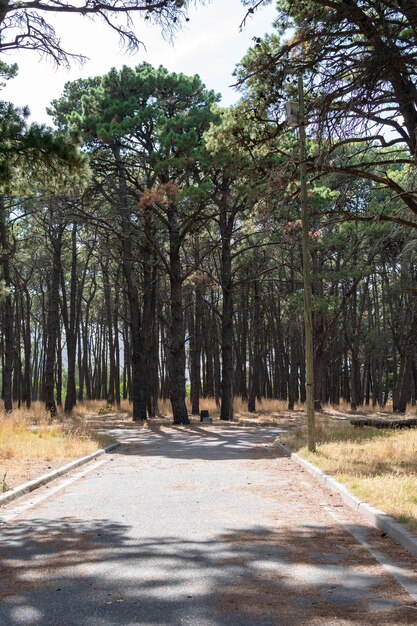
{"points": [[210, 45]]}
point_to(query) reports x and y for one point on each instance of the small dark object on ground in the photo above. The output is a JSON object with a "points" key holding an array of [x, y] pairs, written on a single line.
{"points": [[204, 417]]}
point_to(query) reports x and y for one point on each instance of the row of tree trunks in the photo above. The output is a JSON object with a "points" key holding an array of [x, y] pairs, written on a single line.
{"points": [[280, 371], [264, 332]]}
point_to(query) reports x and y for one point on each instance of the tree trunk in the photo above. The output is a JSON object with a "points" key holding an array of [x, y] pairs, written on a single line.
{"points": [[176, 358], [8, 330], [53, 320], [137, 354], [109, 320], [195, 349], [27, 378], [80, 362], [355, 378], [58, 367], [293, 373], [69, 316], [150, 319], [116, 352], [226, 230], [256, 351], [208, 386]]}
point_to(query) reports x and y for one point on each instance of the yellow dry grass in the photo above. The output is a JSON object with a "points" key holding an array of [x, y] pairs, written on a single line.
{"points": [[100, 407], [92, 408], [37, 413], [344, 407], [30, 444], [380, 467], [368, 409]]}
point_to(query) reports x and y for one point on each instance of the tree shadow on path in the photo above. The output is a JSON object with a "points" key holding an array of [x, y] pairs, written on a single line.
{"points": [[70, 573], [199, 443]]}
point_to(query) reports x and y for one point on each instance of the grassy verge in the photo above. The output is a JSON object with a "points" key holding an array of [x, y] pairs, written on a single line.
{"points": [[380, 467], [31, 446]]}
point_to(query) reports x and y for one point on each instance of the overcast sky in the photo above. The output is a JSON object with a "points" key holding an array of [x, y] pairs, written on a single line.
{"points": [[209, 45]]}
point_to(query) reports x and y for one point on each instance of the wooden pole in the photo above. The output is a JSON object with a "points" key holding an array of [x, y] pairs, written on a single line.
{"points": [[308, 308]]}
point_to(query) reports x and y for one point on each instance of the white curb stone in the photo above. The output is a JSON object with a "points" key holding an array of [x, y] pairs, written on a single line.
{"points": [[46, 478], [376, 517]]}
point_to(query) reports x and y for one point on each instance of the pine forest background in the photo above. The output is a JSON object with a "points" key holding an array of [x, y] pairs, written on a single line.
{"points": [[151, 242]]}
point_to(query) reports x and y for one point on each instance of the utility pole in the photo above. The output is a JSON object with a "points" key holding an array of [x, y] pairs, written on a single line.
{"points": [[296, 118], [308, 306]]}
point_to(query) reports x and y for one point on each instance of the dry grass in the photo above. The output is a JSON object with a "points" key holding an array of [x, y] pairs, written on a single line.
{"points": [[366, 409], [100, 407], [344, 407], [35, 414], [379, 467], [32, 444]]}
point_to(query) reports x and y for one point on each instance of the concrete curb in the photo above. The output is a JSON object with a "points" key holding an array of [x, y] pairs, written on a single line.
{"points": [[47, 478], [376, 517]]}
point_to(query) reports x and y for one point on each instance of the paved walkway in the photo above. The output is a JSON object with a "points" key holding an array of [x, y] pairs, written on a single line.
{"points": [[204, 527]]}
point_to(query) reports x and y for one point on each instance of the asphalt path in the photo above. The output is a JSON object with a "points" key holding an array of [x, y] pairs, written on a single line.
{"points": [[198, 526]]}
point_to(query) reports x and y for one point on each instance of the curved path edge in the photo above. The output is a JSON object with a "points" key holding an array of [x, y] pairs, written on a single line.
{"points": [[376, 517], [31, 485]]}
